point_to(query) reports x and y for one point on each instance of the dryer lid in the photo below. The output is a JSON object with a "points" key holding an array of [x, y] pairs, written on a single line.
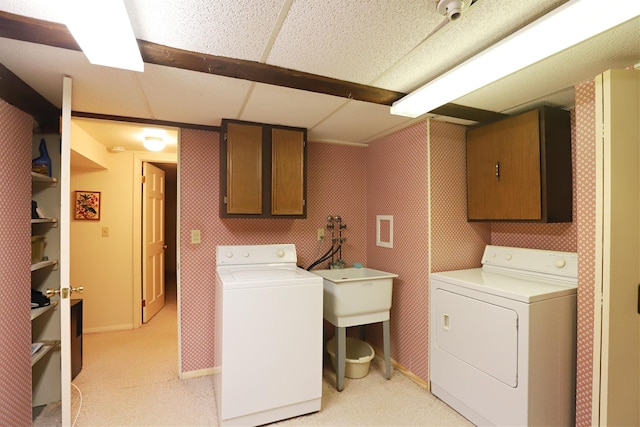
{"points": [[524, 289]]}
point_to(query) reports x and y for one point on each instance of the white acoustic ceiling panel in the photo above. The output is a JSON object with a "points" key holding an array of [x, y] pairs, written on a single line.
{"points": [[617, 48], [237, 29], [289, 107], [190, 97], [357, 122], [483, 24], [353, 40]]}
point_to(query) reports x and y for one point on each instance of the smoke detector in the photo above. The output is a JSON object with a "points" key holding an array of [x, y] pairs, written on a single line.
{"points": [[452, 9], [116, 149]]}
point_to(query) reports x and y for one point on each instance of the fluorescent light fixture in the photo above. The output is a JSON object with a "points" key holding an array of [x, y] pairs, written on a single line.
{"points": [[568, 25], [103, 31], [154, 143]]}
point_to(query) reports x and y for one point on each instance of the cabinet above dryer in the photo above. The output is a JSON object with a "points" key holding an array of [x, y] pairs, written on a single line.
{"points": [[519, 168]]}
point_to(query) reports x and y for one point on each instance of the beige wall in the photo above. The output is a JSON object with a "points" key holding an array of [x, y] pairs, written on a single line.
{"points": [[104, 265]]}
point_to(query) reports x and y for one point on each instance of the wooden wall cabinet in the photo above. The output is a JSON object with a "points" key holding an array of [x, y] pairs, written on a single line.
{"points": [[519, 168], [262, 171]]}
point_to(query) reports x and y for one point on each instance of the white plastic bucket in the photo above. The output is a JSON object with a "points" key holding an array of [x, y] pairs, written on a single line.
{"points": [[358, 357]]}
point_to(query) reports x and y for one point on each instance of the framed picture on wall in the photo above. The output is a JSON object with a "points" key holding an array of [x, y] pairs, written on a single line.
{"points": [[87, 205]]}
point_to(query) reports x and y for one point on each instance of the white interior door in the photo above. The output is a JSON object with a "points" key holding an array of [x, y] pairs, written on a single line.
{"points": [[63, 262], [617, 339], [153, 244]]}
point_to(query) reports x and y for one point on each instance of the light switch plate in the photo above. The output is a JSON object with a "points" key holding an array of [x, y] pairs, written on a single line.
{"points": [[195, 236]]}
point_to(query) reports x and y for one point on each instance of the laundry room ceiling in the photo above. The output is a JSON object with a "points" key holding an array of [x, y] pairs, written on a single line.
{"points": [[332, 66]]}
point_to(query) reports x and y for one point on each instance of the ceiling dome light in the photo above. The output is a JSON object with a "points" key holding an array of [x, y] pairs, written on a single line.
{"points": [[154, 143]]}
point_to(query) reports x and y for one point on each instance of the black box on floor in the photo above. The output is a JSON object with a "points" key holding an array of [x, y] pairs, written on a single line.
{"points": [[76, 337]]}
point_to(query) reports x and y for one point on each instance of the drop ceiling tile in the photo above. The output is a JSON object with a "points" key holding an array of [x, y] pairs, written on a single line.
{"points": [[236, 29], [616, 48], [353, 40], [288, 107], [459, 40], [191, 97], [43, 75], [46, 10], [357, 122], [95, 89]]}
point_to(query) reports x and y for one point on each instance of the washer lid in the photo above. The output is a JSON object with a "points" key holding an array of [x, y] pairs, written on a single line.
{"points": [[242, 278], [514, 287]]}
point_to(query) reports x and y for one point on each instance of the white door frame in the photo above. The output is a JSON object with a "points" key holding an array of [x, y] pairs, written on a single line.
{"points": [[64, 262], [138, 159], [616, 324]]}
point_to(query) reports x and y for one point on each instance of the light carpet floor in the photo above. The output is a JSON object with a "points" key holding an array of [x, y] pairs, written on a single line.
{"points": [[130, 378]]}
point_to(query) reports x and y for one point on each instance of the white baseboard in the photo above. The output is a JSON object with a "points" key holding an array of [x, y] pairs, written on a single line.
{"points": [[200, 373], [110, 328], [407, 373]]}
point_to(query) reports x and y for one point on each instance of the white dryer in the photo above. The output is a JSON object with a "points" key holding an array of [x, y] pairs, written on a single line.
{"points": [[503, 338], [268, 343]]}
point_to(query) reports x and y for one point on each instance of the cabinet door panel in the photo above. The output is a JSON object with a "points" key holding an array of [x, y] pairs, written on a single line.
{"points": [[520, 169], [503, 170], [287, 179], [244, 169]]}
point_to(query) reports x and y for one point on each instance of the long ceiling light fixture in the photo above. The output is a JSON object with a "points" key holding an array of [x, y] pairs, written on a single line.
{"points": [[568, 25], [103, 31]]}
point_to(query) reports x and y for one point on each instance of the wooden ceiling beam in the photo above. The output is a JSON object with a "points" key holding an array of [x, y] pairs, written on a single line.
{"points": [[263, 73]]}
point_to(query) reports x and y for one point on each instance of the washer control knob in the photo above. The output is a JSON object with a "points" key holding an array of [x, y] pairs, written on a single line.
{"points": [[280, 253], [508, 257], [245, 254], [229, 254], [561, 263]]}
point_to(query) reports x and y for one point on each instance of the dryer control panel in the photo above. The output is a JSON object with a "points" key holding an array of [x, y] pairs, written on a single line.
{"points": [[523, 260]]}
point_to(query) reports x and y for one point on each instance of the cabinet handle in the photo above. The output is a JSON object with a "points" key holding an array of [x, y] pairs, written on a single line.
{"points": [[497, 170]]}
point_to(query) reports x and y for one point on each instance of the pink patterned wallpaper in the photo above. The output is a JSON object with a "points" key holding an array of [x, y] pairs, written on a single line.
{"points": [[335, 185], [15, 211], [455, 243], [397, 182], [585, 186]]}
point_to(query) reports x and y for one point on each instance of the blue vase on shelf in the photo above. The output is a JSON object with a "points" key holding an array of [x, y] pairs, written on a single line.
{"points": [[42, 164]]}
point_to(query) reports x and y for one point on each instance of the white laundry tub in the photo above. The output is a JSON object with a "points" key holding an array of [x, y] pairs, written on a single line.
{"points": [[356, 296]]}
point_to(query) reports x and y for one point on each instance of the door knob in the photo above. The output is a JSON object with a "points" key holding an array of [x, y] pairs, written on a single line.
{"points": [[51, 292], [64, 292], [164, 246]]}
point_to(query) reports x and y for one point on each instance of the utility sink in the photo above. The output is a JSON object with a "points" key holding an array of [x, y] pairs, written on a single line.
{"points": [[356, 296]]}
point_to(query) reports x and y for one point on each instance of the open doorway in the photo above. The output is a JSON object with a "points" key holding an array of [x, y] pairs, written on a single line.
{"points": [[169, 233], [105, 260]]}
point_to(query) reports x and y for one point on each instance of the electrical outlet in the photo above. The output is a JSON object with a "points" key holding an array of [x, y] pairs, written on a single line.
{"points": [[105, 231], [195, 236], [320, 233]]}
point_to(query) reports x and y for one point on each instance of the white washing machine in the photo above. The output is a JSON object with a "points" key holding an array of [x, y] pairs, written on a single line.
{"points": [[268, 343], [503, 338]]}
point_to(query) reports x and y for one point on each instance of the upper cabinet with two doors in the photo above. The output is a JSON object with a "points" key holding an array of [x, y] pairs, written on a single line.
{"points": [[263, 171], [519, 168]]}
